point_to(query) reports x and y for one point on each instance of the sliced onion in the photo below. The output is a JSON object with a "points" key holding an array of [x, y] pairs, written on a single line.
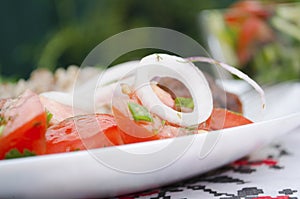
{"points": [[175, 67], [233, 71]]}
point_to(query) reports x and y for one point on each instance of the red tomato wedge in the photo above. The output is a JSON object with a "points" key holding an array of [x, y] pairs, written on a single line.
{"points": [[24, 125], [131, 131], [83, 132], [222, 118], [58, 110]]}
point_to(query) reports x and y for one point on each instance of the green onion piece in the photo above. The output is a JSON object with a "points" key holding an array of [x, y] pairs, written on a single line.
{"points": [[15, 153], [139, 113], [184, 102], [49, 117], [1, 129], [2, 120]]}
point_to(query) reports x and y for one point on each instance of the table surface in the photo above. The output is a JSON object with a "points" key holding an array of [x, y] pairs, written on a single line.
{"points": [[271, 172]]}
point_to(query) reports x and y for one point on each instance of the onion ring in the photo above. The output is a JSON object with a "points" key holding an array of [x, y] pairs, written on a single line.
{"points": [[186, 72]]}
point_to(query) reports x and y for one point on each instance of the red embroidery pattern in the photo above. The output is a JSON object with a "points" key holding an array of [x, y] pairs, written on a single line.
{"points": [[243, 162], [269, 197]]}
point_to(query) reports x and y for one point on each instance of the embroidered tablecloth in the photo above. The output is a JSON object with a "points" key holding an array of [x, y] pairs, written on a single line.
{"points": [[272, 172]]}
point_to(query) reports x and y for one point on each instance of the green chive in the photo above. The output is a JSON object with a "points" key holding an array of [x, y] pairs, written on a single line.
{"points": [[2, 120], [15, 153], [2, 129], [184, 102], [139, 113], [49, 117]]}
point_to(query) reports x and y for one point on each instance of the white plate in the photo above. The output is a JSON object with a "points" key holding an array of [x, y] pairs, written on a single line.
{"points": [[136, 167]]}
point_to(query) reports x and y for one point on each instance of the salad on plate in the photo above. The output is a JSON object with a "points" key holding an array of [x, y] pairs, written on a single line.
{"points": [[161, 96]]}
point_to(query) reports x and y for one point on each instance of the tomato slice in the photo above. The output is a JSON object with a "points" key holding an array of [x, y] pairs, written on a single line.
{"points": [[83, 132], [222, 118], [131, 131], [58, 110], [164, 96], [24, 121]]}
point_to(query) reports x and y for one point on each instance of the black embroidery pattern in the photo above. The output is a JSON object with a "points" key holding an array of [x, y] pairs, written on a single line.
{"points": [[246, 192], [243, 166], [287, 192]]}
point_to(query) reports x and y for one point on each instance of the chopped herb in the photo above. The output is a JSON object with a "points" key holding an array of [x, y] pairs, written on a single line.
{"points": [[49, 117], [184, 102], [77, 149], [158, 58], [2, 120], [15, 153], [2, 129], [191, 128], [155, 131], [139, 113], [163, 122]]}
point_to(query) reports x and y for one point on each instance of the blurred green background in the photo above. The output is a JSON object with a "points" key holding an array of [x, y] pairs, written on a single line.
{"points": [[260, 37], [57, 33]]}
